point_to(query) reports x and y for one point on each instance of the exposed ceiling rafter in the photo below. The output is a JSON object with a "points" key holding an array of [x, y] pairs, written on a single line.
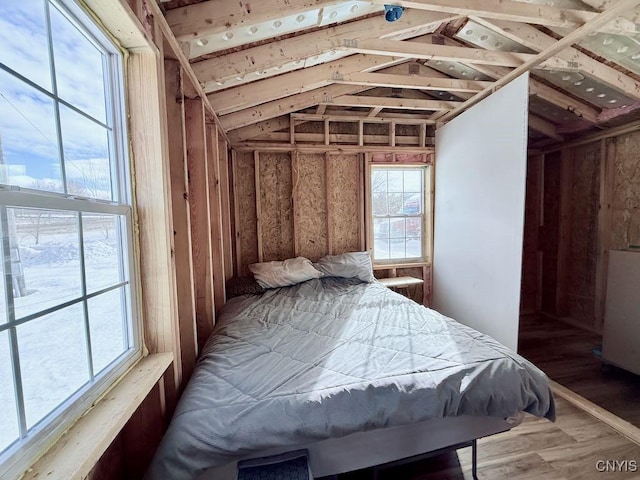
{"points": [[592, 25], [519, 12]]}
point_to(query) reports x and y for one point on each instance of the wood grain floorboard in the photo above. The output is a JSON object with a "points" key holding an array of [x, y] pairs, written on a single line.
{"points": [[565, 354], [536, 449]]}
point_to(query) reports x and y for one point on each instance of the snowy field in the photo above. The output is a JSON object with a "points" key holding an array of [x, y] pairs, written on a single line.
{"points": [[53, 348]]}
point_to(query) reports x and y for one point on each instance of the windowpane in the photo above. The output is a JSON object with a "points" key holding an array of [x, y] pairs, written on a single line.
{"points": [[49, 258], [79, 69], [414, 227], [413, 181], [414, 247], [28, 136], [398, 229], [86, 155], [412, 204], [379, 203], [396, 206], [9, 419], [108, 336], [395, 180], [379, 181], [53, 360], [381, 249], [101, 237], [23, 40], [381, 227]]}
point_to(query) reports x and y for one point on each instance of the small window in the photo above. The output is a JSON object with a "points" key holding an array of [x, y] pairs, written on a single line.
{"points": [[399, 211], [68, 322]]}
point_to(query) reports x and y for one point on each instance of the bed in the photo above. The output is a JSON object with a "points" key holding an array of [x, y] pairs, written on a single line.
{"points": [[354, 372]]}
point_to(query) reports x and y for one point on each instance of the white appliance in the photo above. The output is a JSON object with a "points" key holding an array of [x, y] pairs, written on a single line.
{"points": [[621, 335]]}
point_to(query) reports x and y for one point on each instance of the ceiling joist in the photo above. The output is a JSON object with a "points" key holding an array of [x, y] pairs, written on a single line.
{"points": [[465, 55], [300, 81], [275, 58], [592, 25], [536, 40], [386, 102], [416, 82], [519, 12]]}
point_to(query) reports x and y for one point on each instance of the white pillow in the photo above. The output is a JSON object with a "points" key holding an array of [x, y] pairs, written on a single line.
{"points": [[348, 265], [285, 273]]}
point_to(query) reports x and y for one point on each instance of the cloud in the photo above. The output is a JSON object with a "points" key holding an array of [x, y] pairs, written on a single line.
{"points": [[27, 118]]}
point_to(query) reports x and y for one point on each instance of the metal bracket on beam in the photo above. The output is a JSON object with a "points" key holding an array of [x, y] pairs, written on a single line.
{"points": [[350, 42]]}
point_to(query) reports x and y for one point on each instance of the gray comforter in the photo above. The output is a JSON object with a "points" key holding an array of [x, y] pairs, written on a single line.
{"points": [[327, 358]]}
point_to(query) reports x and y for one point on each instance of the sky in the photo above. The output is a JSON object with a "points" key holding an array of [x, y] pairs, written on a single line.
{"points": [[27, 126]]}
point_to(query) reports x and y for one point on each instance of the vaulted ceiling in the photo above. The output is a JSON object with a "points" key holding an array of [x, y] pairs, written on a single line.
{"points": [[262, 60]]}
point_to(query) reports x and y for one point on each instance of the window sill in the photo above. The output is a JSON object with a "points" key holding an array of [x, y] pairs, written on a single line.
{"points": [[389, 266], [79, 449]]}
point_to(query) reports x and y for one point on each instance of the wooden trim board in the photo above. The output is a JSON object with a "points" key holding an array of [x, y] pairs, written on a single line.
{"points": [[79, 449], [621, 426]]}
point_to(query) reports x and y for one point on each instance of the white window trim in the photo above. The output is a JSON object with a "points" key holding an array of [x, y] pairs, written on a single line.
{"points": [[427, 216], [18, 457]]}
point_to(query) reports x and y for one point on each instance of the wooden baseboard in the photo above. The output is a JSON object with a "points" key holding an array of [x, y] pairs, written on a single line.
{"points": [[623, 427]]}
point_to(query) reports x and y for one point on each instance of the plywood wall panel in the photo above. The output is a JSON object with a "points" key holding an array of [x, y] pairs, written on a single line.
{"points": [[626, 194], [276, 206], [583, 251], [245, 196], [343, 187], [311, 211]]}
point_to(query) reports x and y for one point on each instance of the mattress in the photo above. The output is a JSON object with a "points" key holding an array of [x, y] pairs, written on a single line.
{"points": [[330, 357]]}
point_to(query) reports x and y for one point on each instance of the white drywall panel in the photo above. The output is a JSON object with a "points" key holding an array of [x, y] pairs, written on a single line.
{"points": [[481, 160]]}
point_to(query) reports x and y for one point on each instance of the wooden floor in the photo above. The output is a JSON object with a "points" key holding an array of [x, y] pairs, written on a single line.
{"points": [[537, 449], [565, 354]]}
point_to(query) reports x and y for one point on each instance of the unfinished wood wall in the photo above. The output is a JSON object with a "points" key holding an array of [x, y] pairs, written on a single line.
{"points": [[290, 204], [590, 194], [188, 165]]}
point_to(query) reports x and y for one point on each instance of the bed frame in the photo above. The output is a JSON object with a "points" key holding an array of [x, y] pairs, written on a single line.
{"points": [[386, 446]]}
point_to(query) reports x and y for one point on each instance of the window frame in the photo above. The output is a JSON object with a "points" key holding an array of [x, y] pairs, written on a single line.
{"points": [[22, 453], [427, 214]]}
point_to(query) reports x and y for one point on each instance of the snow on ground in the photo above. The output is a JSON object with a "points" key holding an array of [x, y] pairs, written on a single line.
{"points": [[53, 349]]}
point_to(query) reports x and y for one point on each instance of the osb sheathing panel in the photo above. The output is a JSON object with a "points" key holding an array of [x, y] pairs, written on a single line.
{"points": [[276, 206], [311, 207], [626, 195], [583, 253], [344, 184], [245, 195]]}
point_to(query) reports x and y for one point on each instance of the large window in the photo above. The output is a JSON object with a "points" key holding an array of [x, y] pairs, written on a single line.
{"points": [[68, 323], [398, 206]]}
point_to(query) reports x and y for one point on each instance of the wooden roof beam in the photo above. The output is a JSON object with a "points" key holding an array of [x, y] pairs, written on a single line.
{"points": [[417, 82], [541, 90], [387, 102], [520, 12], [592, 25], [300, 81], [251, 131], [536, 40], [208, 18], [465, 55], [272, 58], [632, 15], [543, 126]]}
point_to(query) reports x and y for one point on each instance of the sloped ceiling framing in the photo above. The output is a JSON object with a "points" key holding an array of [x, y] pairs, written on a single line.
{"points": [[263, 60]]}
